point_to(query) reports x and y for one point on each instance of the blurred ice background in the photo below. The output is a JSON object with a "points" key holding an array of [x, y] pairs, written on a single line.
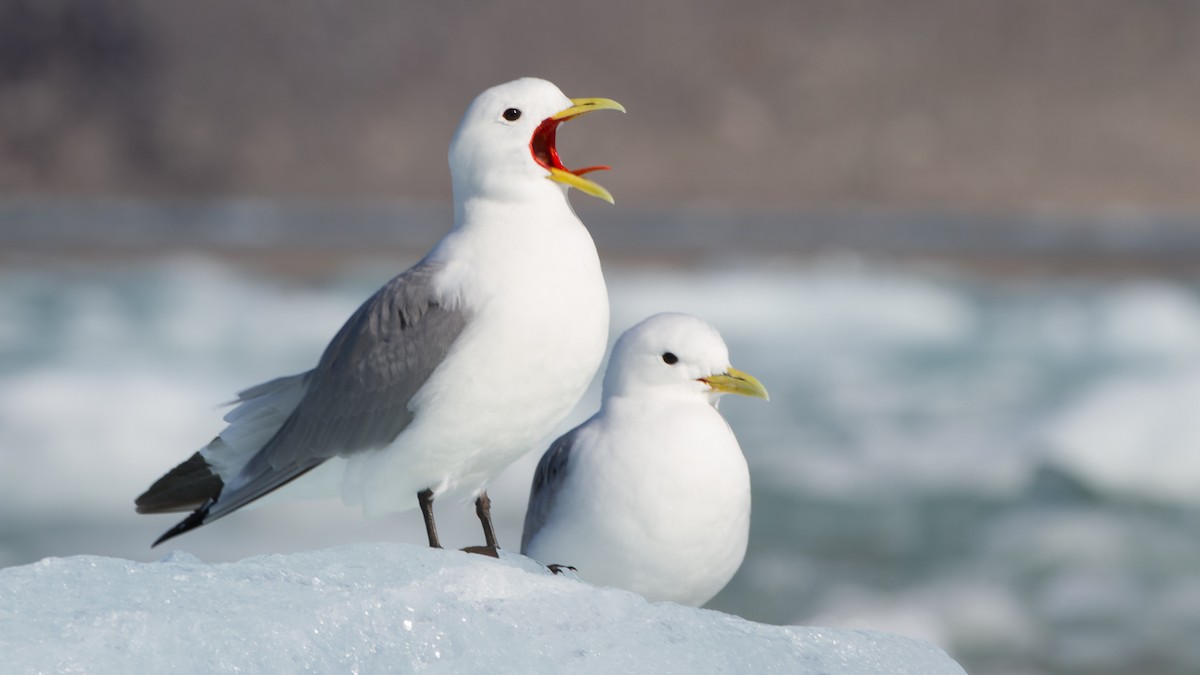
{"points": [[1004, 465], [958, 243]]}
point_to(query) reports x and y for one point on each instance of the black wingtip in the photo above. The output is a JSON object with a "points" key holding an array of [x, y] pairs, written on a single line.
{"points": [[196, 519]]}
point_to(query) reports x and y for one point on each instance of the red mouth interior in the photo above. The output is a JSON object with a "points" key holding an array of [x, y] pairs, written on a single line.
{"points": [[546, 154]]}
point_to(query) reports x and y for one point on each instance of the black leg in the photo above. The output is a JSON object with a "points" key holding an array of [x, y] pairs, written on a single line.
{"points": [[483, 509], [425, 498]]}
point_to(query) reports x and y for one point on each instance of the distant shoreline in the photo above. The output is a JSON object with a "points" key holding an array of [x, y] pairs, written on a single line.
{"points": [[306, 238]]}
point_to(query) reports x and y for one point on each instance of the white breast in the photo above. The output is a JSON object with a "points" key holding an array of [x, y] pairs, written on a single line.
{"points": [[657, 501], [535, 340]]}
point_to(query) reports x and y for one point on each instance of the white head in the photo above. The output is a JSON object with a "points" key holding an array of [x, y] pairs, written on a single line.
{"points": [[504, 148], [675, 356]]}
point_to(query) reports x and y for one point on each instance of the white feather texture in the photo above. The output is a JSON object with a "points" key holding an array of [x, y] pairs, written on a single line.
{"points": [[654, 493], [524, 270]]}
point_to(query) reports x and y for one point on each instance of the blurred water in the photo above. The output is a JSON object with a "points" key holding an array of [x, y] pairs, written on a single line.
{"points": [[1006, 467]]}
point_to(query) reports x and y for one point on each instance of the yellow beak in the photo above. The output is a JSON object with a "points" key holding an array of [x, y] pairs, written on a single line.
{"points": [[561, 174], [734, 381], [588, 187], [579, 106]]}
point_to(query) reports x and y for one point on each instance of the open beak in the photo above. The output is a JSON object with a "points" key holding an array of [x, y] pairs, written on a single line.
{"points": [[734, 381], [546, 154]]}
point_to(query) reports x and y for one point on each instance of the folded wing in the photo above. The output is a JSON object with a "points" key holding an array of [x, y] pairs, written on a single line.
{"points": [[354, 401]]}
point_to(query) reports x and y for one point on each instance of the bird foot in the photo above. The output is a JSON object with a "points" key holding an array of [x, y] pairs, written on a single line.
{"points": [[560, 569], [490, 551]]}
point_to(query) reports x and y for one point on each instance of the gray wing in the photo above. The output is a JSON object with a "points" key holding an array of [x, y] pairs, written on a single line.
{"points": [[548, 480], [357, 397]]}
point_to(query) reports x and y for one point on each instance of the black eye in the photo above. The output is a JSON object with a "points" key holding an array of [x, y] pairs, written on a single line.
{"points": [[670, 359], [512, 114]]}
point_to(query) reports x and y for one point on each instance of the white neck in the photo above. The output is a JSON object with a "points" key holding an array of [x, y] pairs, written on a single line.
{"points": [[536, 195]]}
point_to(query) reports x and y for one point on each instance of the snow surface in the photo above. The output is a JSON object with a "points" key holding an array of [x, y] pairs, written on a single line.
{"points": [[393, 608]]}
